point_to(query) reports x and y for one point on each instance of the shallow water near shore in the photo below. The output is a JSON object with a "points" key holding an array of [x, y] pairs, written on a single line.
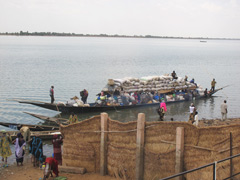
{"points": [[30, 65]]}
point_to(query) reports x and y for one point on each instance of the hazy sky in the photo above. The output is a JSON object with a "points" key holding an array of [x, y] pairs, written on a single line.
{"points": [[188, 18]]}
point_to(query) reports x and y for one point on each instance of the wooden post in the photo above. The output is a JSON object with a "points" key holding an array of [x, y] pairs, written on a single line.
{"points": [[179, 151], [140, 146], [231, 164], [103, 144]]}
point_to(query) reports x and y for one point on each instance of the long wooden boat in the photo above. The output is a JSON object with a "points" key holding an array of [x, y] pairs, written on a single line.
{"points": [[94, 108], [16, 126]]}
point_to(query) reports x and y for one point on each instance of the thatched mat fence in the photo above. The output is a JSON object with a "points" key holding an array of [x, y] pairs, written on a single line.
{"points": [[149, 150]]}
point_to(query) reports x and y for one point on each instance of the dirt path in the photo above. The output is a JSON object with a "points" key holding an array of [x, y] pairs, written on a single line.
{"points": [[28, 172]]}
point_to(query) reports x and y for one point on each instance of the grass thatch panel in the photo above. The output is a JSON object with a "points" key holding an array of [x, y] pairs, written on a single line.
{"points": [[159, 147], [114, 125], [126, 137], [92, 124], [121, 160], [194, 157], [202, 174], [81, 147], [167, 131], [210, 136], [158, 165]]}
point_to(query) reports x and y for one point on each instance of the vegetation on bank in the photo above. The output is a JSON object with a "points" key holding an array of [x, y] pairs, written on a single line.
{"points": [[22, 33]]}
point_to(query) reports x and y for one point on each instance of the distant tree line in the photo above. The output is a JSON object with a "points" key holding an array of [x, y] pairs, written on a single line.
{"points": [[22, 33]]}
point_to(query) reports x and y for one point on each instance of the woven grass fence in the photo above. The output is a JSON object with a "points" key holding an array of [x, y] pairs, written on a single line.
{"points": [[82, 144]]}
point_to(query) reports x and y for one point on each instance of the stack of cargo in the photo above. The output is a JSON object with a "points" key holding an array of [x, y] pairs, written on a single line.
{"points": [[161, 84]]}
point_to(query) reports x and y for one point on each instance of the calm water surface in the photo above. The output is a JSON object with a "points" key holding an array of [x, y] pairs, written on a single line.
{"points": [[30, 65]]}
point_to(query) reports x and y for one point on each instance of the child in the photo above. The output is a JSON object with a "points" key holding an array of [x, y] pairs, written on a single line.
{"points": [[5, 150]]}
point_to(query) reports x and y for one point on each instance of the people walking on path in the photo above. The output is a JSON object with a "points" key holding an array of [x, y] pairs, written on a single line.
{"points": [[52, 94], [213, 83], [224, 110], [5, 151]]}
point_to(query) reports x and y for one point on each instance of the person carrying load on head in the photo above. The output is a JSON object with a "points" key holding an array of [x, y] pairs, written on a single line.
{"points": [[57, 142], [213, 83]]}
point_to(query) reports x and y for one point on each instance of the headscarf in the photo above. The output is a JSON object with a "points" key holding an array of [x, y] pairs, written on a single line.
{"points": [[19, 135]]}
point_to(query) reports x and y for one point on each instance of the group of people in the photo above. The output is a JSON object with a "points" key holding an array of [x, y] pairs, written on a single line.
{"points": [[83, 94], [23, 143]]}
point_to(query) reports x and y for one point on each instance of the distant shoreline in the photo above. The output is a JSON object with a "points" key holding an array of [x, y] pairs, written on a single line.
{"points": [[21, 33]]}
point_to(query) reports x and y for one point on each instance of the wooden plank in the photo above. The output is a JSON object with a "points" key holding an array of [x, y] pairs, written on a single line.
{"points": [[103, 144], [140, 146], [75, 170]]}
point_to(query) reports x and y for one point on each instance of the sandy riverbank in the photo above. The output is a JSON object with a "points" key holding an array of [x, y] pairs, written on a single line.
{"points": [[28, 172]]}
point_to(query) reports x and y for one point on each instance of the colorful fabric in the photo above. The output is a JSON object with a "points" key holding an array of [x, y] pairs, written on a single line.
{"points": [[36, 148], [5, 150], [53, 164], [73, 119], [163, 105]]}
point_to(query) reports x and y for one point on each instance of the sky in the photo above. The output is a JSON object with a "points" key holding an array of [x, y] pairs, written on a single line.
{"points": [[178, 18]]}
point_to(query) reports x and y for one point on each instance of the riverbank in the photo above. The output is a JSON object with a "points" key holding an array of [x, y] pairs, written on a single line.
{"points": [[28, 172]]}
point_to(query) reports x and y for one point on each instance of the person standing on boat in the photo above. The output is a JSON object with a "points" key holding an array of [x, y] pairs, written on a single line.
{"points": [[213, 83], [5, 150], [224, 110], [57, 142], [52, 94], [174, 75], [84, 95]]}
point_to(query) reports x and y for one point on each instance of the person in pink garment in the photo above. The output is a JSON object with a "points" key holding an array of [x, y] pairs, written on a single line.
{"points": [[162, 110]]}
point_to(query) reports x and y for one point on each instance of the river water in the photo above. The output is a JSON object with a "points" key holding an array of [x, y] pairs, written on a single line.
{"points": [[30, 65]]}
